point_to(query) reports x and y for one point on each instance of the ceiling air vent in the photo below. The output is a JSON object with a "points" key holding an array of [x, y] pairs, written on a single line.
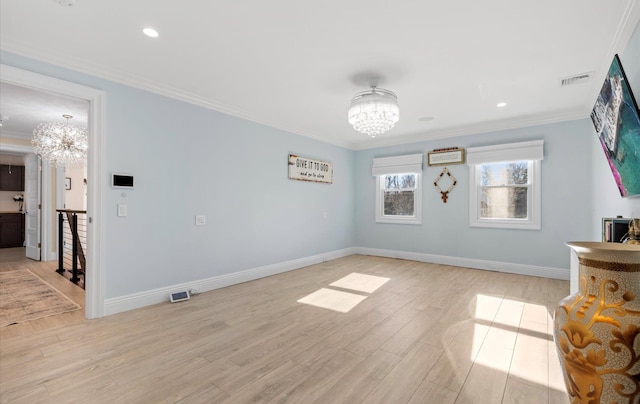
{"points": [[69, 3], [576, 79]]}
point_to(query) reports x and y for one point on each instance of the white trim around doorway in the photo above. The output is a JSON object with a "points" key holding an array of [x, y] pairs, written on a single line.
{"points": [[48, 205], [94, 282]]}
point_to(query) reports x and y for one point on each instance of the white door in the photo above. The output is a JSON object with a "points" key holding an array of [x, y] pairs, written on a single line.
{"points": [[32, 206]]}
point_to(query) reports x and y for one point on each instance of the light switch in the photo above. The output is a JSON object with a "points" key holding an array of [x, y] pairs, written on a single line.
{"points": [[201, 220], [122, 209]]}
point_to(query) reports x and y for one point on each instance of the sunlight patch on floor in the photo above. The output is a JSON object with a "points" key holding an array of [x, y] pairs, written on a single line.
{"points": [[519, 341], [343, 301], [360, 282], [331, 299], [486, 307]]}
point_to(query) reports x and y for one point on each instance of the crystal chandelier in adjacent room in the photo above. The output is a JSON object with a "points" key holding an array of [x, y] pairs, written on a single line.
{"points": [[61, 143], [374, 111]]}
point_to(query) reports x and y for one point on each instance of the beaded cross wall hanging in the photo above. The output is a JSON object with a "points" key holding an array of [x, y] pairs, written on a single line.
{"points": [[454, 181]]}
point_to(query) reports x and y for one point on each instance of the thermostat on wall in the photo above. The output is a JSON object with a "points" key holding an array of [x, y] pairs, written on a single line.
{"points": [[179, 296], [119, 180]]}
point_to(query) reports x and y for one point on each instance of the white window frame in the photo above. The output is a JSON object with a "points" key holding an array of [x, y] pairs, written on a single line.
{"points": [[398, 165], [533, 152]]}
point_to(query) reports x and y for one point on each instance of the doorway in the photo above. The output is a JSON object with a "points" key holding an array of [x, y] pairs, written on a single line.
{"points": [[94, 301], [20, 201]]}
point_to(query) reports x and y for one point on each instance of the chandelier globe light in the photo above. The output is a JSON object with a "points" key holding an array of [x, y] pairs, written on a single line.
{"points": [[374, 111], [61, 143]]}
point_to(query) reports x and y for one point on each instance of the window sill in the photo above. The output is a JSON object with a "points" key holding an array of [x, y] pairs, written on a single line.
{"points": [[399, 221], [506, 224]]}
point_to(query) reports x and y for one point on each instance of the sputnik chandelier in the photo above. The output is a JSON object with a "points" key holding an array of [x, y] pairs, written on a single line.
{"points": [[374, 111], [61, 143]]}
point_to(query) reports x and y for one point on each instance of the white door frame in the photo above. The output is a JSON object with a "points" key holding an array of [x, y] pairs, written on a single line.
{"points": [[94, 278], [33, 209], [44, 183]]}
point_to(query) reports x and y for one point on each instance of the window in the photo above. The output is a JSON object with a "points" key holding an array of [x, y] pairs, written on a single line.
{"points": [[398, 189], [504, 190], [504, 185]]}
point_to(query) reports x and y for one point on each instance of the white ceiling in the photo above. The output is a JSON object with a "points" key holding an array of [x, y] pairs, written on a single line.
{"points": [[23, 109], [295, 65]]}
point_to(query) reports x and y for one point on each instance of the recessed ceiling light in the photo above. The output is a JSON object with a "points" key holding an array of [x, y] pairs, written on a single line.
{"points": [[501, 104], [150, 32]]}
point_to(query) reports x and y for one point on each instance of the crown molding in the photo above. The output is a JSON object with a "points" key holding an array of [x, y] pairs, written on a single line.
{"points": [[628, 23], [143, 83], [16, 149], [474, 129], [174, 93], [16, 135]]}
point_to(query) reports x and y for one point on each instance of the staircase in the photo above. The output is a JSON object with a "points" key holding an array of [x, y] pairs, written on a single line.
{"points": [[72, 245]]}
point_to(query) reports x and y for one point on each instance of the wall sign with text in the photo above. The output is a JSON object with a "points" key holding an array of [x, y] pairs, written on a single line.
{"points": [[304, 169], [451, 155]]}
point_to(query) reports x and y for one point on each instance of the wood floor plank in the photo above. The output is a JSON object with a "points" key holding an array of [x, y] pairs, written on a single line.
{"points": [[413, 331], [326, 373], [429, 392], [256, 367], [35, 395], [431, 334], [383, 332], [521, 392], [530, 359], [487, 378], [344, 332], [266, 388], [462, 345], [403, 381], [356, 384]]}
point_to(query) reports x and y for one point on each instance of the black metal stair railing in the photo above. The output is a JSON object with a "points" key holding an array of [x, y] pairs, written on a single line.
{"points": [[72, 244]]}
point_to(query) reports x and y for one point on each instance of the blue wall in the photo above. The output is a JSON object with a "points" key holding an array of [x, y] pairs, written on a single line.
{"points": [[566, 203], [192, 161], [189, 161]]}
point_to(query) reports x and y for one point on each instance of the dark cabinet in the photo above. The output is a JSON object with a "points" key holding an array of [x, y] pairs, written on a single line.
{"points": [[615, 229], [11, 230], [11, 178]]}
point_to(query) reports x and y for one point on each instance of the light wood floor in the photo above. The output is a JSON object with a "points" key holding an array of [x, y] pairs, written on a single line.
{"points": [[431, 334], [14, 258]]}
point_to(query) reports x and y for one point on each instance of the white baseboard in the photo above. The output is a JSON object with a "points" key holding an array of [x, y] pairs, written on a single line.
{"points": [[129, 302], [520, 269]]}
